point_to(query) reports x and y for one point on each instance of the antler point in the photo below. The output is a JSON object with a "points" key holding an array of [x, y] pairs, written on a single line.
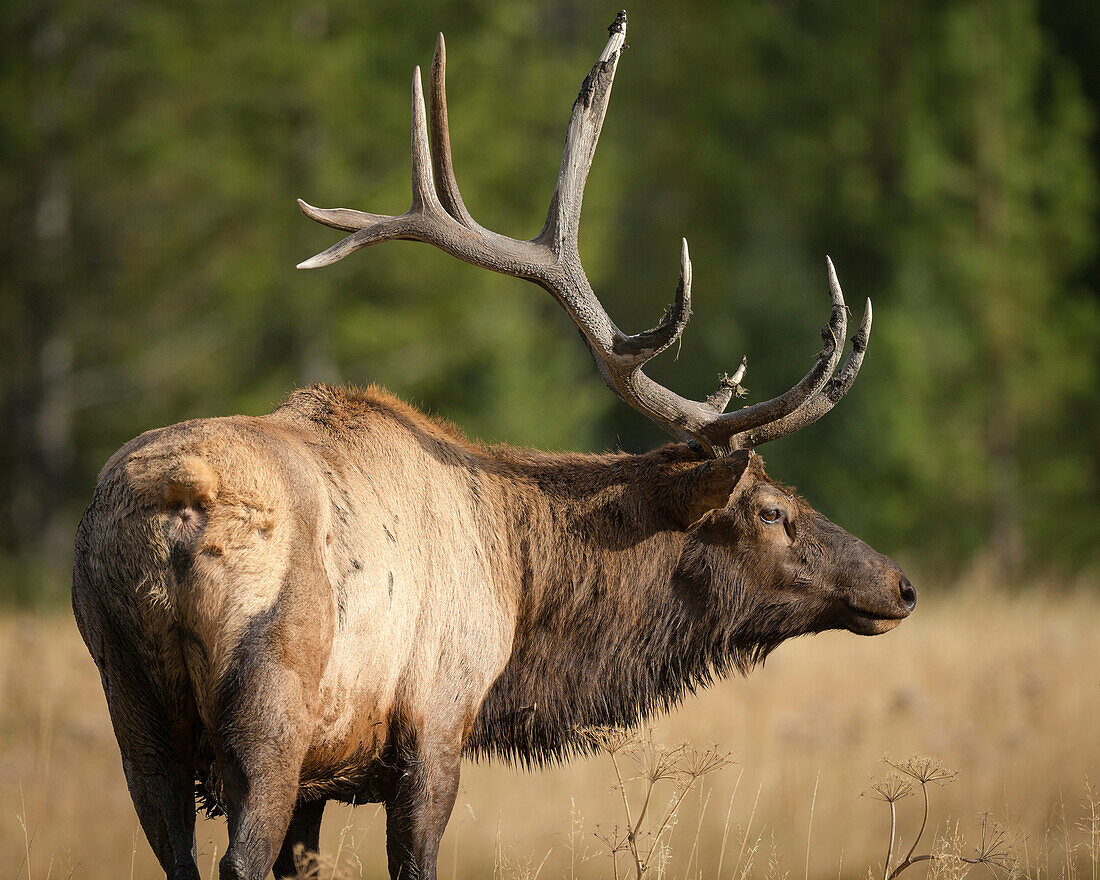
{"points": [[865, 324]]}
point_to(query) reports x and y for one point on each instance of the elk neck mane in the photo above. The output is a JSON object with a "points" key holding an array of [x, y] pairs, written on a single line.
{"points": [[607, 632]]}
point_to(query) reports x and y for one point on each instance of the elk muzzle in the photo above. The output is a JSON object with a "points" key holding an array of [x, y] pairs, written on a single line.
{"points": [[876, 609]]}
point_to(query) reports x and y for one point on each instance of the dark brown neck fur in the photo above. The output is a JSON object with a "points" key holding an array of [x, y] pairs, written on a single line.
{"points": [[605, 634]]}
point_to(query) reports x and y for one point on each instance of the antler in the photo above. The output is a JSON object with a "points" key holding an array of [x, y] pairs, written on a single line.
{"points": [[439, 217]]}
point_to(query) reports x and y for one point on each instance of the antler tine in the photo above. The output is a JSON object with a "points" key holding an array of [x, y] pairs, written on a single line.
{"points": [[425, 199], [728, 386], [729, 430], [341, 218], [585, 123], [648, 344], [829, 396], [445, 183]]}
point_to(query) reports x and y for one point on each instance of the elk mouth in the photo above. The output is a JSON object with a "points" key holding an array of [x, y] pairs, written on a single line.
{"points": [[863, 622]]}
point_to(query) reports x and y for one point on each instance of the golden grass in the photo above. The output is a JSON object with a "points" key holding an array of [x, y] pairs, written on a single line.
{"points": [[1006, 689]]}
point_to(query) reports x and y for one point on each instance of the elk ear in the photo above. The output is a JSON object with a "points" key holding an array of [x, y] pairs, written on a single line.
{"points": [[706, 487]]}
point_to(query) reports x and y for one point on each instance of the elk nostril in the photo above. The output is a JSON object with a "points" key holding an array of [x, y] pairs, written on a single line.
{"points": [[908, 593]]}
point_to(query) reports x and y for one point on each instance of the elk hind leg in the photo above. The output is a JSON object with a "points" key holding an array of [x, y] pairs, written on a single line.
{"points": [[303, 835], [156, 758]]}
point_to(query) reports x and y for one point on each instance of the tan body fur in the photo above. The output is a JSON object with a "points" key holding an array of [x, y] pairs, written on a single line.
{"points": [[399, 597]]}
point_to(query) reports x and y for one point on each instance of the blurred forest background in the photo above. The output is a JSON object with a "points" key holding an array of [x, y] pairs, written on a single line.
{"points": [[945, 154]]}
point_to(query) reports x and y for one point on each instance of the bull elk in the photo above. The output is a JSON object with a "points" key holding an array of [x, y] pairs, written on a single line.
{"points": [[341, 599]]}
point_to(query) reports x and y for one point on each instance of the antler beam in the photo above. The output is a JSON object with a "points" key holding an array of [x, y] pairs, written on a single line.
{"points": [[439, 217]]}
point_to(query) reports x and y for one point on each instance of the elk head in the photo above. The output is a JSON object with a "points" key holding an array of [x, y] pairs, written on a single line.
{"points": [[810, 574], [806, 574]]}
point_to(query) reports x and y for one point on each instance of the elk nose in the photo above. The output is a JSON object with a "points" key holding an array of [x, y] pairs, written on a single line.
{"points": [[908, 593]]}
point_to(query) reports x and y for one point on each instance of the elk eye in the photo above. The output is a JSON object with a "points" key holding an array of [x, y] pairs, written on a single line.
{"points": [[771, 515]]}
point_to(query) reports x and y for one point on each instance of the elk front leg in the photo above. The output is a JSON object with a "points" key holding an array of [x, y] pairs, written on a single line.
{"points": [[424, 791]]}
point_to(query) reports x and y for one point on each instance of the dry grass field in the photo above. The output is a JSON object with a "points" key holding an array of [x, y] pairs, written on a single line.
{"points": [[1003, 688]]}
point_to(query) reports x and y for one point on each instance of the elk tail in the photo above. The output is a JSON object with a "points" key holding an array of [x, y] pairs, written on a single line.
{"points": [[189, 489], [191, 483]]}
